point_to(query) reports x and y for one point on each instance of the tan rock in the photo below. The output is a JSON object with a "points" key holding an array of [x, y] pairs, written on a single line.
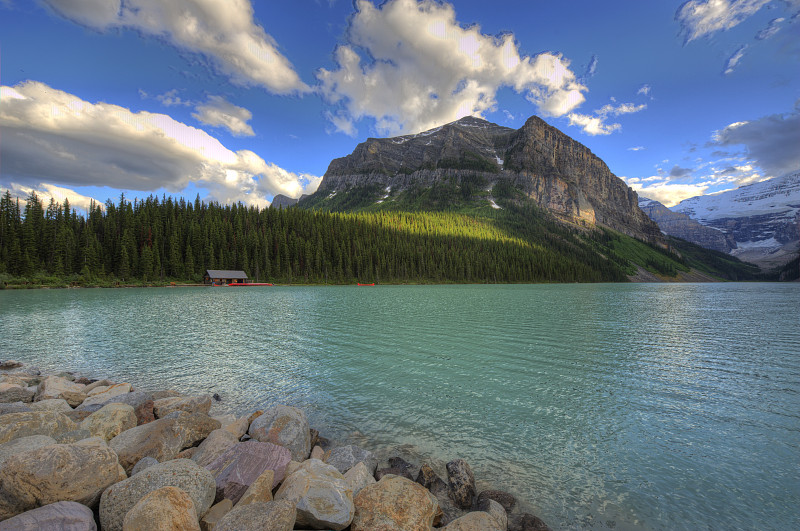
{"points": [[59, 516], [110, 420], [27, 423], [225, 420], [268, 516], [190, 404], [164, 509], [474, 521], [285, 426], [186, 454], [23, 444], [217, 443], [60, 472], [57, 387], [394, 504], [358, 477], [52, 404], [238, 427], [260, 490], [317, 453], [94, 385], [322, 496], [215, 514], [102, 397]]}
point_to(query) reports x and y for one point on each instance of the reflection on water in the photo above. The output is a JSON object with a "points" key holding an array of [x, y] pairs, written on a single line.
{"points": [[603, 406]]}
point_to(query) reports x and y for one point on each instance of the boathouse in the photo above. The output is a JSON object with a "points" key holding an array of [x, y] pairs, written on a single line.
{"points": [[222, 276]]}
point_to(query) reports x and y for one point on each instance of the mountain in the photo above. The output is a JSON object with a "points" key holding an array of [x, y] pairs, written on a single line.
{"points": [[282, 201], [762, 219], [682, 226], [483, 161]]}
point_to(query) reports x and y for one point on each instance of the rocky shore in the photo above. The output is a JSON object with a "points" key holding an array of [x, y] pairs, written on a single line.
{"points": [[81, 454]]}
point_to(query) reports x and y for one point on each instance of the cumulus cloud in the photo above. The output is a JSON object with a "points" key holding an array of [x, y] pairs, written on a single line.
{"points": [[218, 112], [50, 135], [47, 191], [595, 125], [223, 31], [644, 90], [410, 65], [666, 193], [773, 28], [733, 60], [771, 141], [699, 18]]}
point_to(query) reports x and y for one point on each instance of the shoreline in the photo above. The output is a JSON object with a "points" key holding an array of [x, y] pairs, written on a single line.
{"points": [[85, 405]]}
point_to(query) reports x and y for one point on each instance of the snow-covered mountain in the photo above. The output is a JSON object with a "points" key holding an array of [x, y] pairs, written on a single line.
{"points": [[684, 227], [762, 219]]}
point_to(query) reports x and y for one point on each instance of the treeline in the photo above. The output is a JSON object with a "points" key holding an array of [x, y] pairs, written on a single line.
{"points": [[164, 239]]}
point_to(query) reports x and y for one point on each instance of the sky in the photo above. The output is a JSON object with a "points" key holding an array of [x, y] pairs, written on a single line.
{"points": [[239, 100]]}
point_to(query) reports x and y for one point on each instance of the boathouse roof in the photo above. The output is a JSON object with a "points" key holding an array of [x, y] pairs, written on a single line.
{"points": [[225, 273]]}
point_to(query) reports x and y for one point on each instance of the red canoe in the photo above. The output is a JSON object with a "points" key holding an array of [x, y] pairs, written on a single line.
{"points": [[360, 284], [251, 284]]}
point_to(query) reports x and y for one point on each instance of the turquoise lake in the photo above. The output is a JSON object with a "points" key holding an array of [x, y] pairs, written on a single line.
{"points": [[623, 406]]}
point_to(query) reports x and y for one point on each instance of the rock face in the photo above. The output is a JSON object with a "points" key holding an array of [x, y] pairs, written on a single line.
{"points": [[285, 426], [321, 494], [59, 516], [164, 509], [394, 504], [682, 226], [557, 172], [184, 474], [61, 472], [237, 469]]}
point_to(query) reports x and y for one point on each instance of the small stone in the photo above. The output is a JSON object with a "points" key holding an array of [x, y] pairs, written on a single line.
{"points": [[358, 477], [238, 427], [346, 457], [285, 426], [215, 514], [164, 509], [237, 469], [462, 483], [260, 490], [427, 476], [143, 464], [225, 420], [267, 516], [59, 516], [394, 504]]}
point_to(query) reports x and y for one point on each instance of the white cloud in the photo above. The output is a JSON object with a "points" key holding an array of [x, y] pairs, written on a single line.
{"points": [[50, 135], [218, 112], [46, 191], [667, 193], [595, 125], [772, 141], [223, 31], [699, 18], [409, 65], [636, 148], [733, 60], [773, 28], [644, 90]]}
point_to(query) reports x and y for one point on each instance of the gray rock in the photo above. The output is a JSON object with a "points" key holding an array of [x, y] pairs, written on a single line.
{"points": [[105, 395], [217, 443], [462, 483], [285, 426], [475, 521], [323, 498], [7, 365], [190, 404], [111, 420], [16, 394], [496, 511], [377, 506], [213, 516], [503, 498], [164, 393], [14, 407], [59, 516], [267, 516], [346, 457], [143, 464], [24, 444], [57, 387], [184, 474], [358, 477], [162, 439], [53, 404], [526, 522], [237, 469], [73, 436], [25, 424], [59, 472]]}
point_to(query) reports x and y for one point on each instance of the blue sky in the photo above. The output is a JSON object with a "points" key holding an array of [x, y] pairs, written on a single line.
{"points": [[243, 99]]}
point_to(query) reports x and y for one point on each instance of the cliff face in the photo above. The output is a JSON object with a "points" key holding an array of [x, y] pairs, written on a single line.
{"points": [[682, 226], [557, 172]]}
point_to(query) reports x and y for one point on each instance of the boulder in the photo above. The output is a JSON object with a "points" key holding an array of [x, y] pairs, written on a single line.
{"points": [[225, 420], [475, 521], [164, 509], [526, 522], [162, 439], [14, 407], [7, 365], [23, 444], [397, 467], [188, 453], [77, 416], [428, 478], [285, 426], [215, 514], [394, 504], [184, 474], [217, 443], [266, 516], [496, 511], [59, 516], [358, 477], [143, 464], [73, 436], [102, 395], [238, 427], [346, 457], [317, 453], [461, 482], [237, 469], [164, 393], [15, 393], [141, 401], [52, 404], [91, 386], [190, 404], [57, 387], [260, 490], [60, 472], [25, 424], [110, 421], [503, 498], [322, 496]]}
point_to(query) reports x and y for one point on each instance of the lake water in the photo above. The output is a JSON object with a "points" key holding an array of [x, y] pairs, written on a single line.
{"points": [[640, 406]]}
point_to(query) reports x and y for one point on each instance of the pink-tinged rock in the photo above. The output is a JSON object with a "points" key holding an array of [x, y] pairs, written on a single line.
{"points": [[237, 469], [59, 516]]}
